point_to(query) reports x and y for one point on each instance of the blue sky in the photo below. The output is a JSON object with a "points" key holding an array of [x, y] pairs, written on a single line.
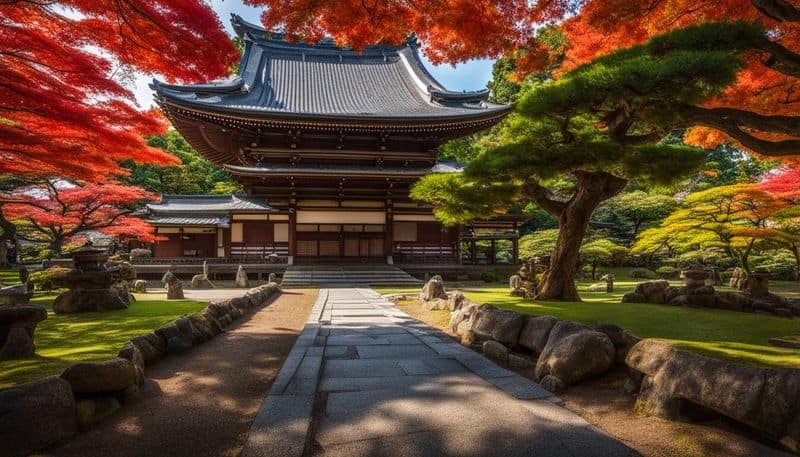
{"points": [[467, 76]]}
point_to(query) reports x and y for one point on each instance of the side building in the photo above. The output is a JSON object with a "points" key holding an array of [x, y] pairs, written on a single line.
{"points": [[326, 142]]}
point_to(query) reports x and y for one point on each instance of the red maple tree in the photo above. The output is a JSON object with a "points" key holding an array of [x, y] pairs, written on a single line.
{"points": [[55, 212], [63, 108], [759, 112]]}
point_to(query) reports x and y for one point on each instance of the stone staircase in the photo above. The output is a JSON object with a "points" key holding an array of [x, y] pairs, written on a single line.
{"points": [[346, 275]]}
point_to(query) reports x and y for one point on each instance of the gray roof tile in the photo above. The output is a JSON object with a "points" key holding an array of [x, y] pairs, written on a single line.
{"points": [[200, 220], [207, 204]]}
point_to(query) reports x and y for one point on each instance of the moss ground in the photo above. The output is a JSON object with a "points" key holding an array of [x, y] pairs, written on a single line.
{"points": [[62, 340]]}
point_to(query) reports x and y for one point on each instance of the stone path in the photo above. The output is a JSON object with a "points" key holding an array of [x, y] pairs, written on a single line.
{"points": [[365, 379]]}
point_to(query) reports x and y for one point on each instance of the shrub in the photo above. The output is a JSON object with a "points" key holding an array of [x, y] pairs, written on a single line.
{"points": [[490, 276], [43, 280], [642, 273], [668, 272]]}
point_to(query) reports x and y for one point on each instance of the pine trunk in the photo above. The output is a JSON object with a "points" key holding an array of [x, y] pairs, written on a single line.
{"points": [[591, 189]]}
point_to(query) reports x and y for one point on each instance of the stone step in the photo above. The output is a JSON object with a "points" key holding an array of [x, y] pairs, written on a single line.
{"points": [[347, 275]]}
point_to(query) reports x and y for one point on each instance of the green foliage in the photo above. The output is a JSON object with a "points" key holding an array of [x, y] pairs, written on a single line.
{"points": [[503, 90], [43, 280], [490, 276], [636, 210], [195, 175], [538, 244], [603, 252], [726, 165], [668, 272], [642, 273]]}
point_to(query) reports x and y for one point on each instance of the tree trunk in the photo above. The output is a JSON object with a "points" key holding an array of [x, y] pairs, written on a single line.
{"points": [[796, 252], [56, 246], [9, 235], [591, 189], [746, 256], [594, 270]]}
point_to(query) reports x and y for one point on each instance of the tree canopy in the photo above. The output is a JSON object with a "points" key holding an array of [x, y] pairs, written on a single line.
{"points": [[65, 106]]}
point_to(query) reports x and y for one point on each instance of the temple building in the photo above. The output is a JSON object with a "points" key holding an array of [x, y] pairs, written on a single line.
{"points": [[326, 142]]}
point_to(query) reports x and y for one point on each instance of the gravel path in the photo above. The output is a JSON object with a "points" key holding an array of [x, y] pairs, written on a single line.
{"points": [[202, 403]]}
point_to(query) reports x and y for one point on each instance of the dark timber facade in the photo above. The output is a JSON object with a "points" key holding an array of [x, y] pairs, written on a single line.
{"points": [[326, 142]]}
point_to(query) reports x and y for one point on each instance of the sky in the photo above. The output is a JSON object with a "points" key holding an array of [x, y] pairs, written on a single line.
{"points": [[472, 75]]}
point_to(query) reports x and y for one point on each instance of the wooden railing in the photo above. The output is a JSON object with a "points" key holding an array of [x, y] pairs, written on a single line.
{"points": [[258, 251], [413, 252]]}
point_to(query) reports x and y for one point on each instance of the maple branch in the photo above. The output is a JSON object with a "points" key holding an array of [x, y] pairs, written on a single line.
{"points": [[779, 10], [731, 121]]}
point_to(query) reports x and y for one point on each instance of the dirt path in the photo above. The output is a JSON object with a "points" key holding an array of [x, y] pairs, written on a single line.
{"points": [[202, 403]]}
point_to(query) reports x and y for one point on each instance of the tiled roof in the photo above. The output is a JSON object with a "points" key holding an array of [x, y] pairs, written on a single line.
{"points": [[322, 80], [174, 220], [207, 204]]}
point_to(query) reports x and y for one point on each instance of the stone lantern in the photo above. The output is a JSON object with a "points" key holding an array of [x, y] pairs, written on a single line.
{"points": [[90, 283]]}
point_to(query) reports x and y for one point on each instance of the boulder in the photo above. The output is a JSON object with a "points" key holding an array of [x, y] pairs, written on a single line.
{"points": [[168, 278], [455, 300], [114, 375], [152, 346], [653, 291], [201, 282], [140, 286], [272, 278], [597, 287], [622, 340], [634, 297], [522, 364], [17, 328], [535, 333], [573, 353], [132, 353], [175, 291], [36, 415], [490, 323], [496, 352], [91, 411], [762, 398], [437, 304], [241, 278], [433, 289], [178, 335]]}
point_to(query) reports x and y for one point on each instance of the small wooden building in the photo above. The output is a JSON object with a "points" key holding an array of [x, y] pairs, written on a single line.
{"points": [[326, 142]]}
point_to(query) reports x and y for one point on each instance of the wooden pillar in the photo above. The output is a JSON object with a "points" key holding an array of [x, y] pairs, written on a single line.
{"points": [[515, 250], [292, 231], [492, 253], [389, 230], [180, 243]]}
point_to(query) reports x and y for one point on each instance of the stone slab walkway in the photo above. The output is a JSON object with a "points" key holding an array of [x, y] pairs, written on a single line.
{"points": [[365, 379]]}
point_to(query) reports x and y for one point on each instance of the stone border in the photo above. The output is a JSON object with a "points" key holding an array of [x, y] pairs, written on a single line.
{"points": [[39, 414], [284, 417]]}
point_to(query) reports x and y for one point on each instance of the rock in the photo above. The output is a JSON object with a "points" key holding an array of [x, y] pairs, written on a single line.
{"points": [[514, 282], [622, 340], [152, 346], [696, 301], [574, 352], [114, 375], [241, 278], [597, 287], [762, 398], [140, 286], [456, 300], [462, 314], [17, 329], [15, 295], [490, 323], [653, 291], [436, 304], [553, 384], [178, 335], [88, 300], [273, 258], [141, 253], [175, 291], [521, 364], [36, 415], [133, 354], [272, 278], [91, 411], [634, 298], [168, 278], [433, 289], [201, 282], [535, 333], [496, 352]]}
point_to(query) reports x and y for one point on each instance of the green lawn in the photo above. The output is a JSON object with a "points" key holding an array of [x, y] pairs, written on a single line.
{"points": [[740, 337], [62, 340]]}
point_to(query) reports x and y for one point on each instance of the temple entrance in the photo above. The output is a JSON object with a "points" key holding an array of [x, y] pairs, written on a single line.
{"points": [[346, 242]]}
